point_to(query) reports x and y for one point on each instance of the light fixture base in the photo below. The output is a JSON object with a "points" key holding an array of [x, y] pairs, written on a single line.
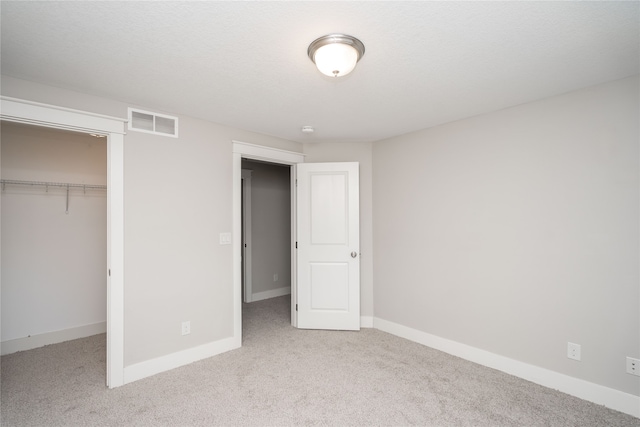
{"points": [[346, 51]]}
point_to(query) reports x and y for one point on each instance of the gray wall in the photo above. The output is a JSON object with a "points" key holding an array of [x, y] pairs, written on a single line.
{"points": [[270, 225], [517, 231]]}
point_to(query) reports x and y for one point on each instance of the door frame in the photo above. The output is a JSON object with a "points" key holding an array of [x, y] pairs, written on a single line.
{"points": [[273, 155], [51, 116]]}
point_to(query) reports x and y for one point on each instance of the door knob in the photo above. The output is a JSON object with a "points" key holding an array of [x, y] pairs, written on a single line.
{"points": [[354, 254]]}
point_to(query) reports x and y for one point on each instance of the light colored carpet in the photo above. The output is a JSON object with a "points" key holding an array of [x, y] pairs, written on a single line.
{"points": [[285, 376]]}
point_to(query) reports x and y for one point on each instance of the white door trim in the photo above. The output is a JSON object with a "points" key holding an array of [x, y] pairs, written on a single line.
{"points": [[273, 155], [247, 244], [51, 116]]}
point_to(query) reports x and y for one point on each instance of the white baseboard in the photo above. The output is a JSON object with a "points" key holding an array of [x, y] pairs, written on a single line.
{"points": [[285, 290], [175, 360], [611, 398], [40, 340], [366, 321]]}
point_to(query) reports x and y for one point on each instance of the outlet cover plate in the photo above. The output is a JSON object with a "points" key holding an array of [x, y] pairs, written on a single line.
{"points": [[633, 366], [186, 328], [574, 351]]}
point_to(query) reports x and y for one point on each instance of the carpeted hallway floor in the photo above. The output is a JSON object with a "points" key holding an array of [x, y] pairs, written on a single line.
{"points": [[284, 376]]}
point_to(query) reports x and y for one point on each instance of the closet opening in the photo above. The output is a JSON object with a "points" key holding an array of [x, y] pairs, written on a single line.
{"points": [[14, 110], [54, 236]]}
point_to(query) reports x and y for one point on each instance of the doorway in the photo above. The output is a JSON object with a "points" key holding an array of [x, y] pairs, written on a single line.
{"points": [[333, 206], [51, 116], [271, 155], [266, 230]]}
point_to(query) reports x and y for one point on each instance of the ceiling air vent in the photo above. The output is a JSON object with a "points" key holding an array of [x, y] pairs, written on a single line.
{"points": [[148, 122]]}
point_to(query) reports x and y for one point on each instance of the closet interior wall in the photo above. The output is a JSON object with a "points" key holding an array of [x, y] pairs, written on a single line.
{"points": [[54, 239]]}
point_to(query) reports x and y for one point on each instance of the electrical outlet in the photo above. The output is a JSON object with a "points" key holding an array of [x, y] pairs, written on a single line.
{"points": [[633, 366], [186, 327], [275, 277], [573, 351]]}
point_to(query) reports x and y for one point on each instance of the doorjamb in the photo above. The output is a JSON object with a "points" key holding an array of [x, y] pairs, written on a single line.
{"points": [[51, 116], [273, 155], [246, 243]]}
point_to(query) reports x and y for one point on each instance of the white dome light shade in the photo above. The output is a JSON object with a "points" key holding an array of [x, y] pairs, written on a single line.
{"points": [[336, 60], [336, 55]]}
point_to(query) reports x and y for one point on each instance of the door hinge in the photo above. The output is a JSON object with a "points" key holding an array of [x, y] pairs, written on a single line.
{"points": [[109, 272], [296, 307], [296, 182], [296, 245]]}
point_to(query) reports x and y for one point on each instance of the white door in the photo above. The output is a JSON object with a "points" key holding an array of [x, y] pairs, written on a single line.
{"points": [[328, 240]]}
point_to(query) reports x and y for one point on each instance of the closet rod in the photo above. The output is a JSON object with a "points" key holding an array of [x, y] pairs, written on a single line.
{"points": [[53, 184], [66, 185]]}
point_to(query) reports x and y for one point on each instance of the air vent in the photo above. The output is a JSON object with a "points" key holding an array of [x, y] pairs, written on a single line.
{"points": [[148, 122]]}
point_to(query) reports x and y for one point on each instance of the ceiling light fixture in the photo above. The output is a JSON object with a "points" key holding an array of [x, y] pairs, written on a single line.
{"points": [[336, 55]]}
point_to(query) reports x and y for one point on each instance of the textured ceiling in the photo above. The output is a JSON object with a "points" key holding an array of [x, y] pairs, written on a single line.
{"points": [[244, 64]]}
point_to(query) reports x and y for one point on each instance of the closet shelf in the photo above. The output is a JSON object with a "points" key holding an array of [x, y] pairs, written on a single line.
{"points": [[52, 184], [66, 185]]}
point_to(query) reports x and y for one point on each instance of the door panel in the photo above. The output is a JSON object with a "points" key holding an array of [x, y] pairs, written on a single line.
{"points": [[328, 273], [329, 286], [329, 214]]}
